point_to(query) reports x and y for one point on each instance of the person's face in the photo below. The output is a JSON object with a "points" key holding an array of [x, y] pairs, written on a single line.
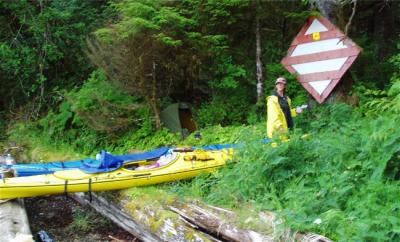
{"points": [[280, 87]]}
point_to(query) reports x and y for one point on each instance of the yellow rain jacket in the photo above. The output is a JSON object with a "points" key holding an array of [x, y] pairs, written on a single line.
{"points": [[276, 121]]}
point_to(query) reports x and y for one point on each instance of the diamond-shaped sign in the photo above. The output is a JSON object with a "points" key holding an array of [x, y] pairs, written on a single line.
{"points": [[319, 56]]}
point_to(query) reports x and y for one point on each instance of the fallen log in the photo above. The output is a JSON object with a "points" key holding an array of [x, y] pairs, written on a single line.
{"points": [[213, 223], [115, 214], [190, 221], [14, 224], [150, 223], [221, 222]]}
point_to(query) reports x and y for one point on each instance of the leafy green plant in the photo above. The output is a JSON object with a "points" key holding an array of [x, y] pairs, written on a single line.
{"points": [[86, 220], [81, 222]]}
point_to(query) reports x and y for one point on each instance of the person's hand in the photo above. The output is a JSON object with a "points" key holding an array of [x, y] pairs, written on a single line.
{"points": [[300, 109]]}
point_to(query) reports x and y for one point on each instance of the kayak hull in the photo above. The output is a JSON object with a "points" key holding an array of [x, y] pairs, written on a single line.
{"points": [[32, 169], [76, 180]]}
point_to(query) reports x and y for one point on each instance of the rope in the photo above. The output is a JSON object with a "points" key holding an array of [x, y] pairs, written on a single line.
{"points": [[65, 188], [90, 190]]}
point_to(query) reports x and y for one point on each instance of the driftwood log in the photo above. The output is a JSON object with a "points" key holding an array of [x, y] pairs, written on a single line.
{"points": [[14, 224], [218, 221], [189, 221], [116, 215], [214, 221], [151, 223]]}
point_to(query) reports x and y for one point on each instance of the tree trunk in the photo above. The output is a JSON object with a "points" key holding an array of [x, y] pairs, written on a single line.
{"points": [[149, 223], [218, 221], [171, 220], [383, 27], [327, 9], [154, 98], [332, 10], [155, 110], [149, 92], [258, 56], [116, 215], [212, 221]]}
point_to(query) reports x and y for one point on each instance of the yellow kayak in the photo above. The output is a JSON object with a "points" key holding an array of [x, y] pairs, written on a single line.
{"points": [[183, 165]]}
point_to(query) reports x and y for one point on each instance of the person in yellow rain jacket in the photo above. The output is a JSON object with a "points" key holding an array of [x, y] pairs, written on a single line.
{"points": [[279, 111]]}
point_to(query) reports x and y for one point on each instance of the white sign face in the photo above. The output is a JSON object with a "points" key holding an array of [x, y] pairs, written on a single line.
{"points": [[316, 26], [320, 86], [320, 66], [319, 56], [316, 47]]}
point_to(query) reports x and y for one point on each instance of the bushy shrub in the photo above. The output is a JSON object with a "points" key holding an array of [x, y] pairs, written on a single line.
{"points": [[102, 107], [92, 118]]}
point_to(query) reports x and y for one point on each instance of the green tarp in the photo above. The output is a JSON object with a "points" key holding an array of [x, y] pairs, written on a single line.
{"points": [[178, 118]]}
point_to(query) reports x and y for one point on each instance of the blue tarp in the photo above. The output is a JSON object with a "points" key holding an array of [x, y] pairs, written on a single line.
{"points": [[109, 162], [146, 155], [216, 147]]}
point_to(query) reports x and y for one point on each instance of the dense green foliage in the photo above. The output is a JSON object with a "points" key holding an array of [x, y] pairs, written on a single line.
{"points": [[341, 181], [41, 46], [94, 116], [345, 174], [81, 76]]}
